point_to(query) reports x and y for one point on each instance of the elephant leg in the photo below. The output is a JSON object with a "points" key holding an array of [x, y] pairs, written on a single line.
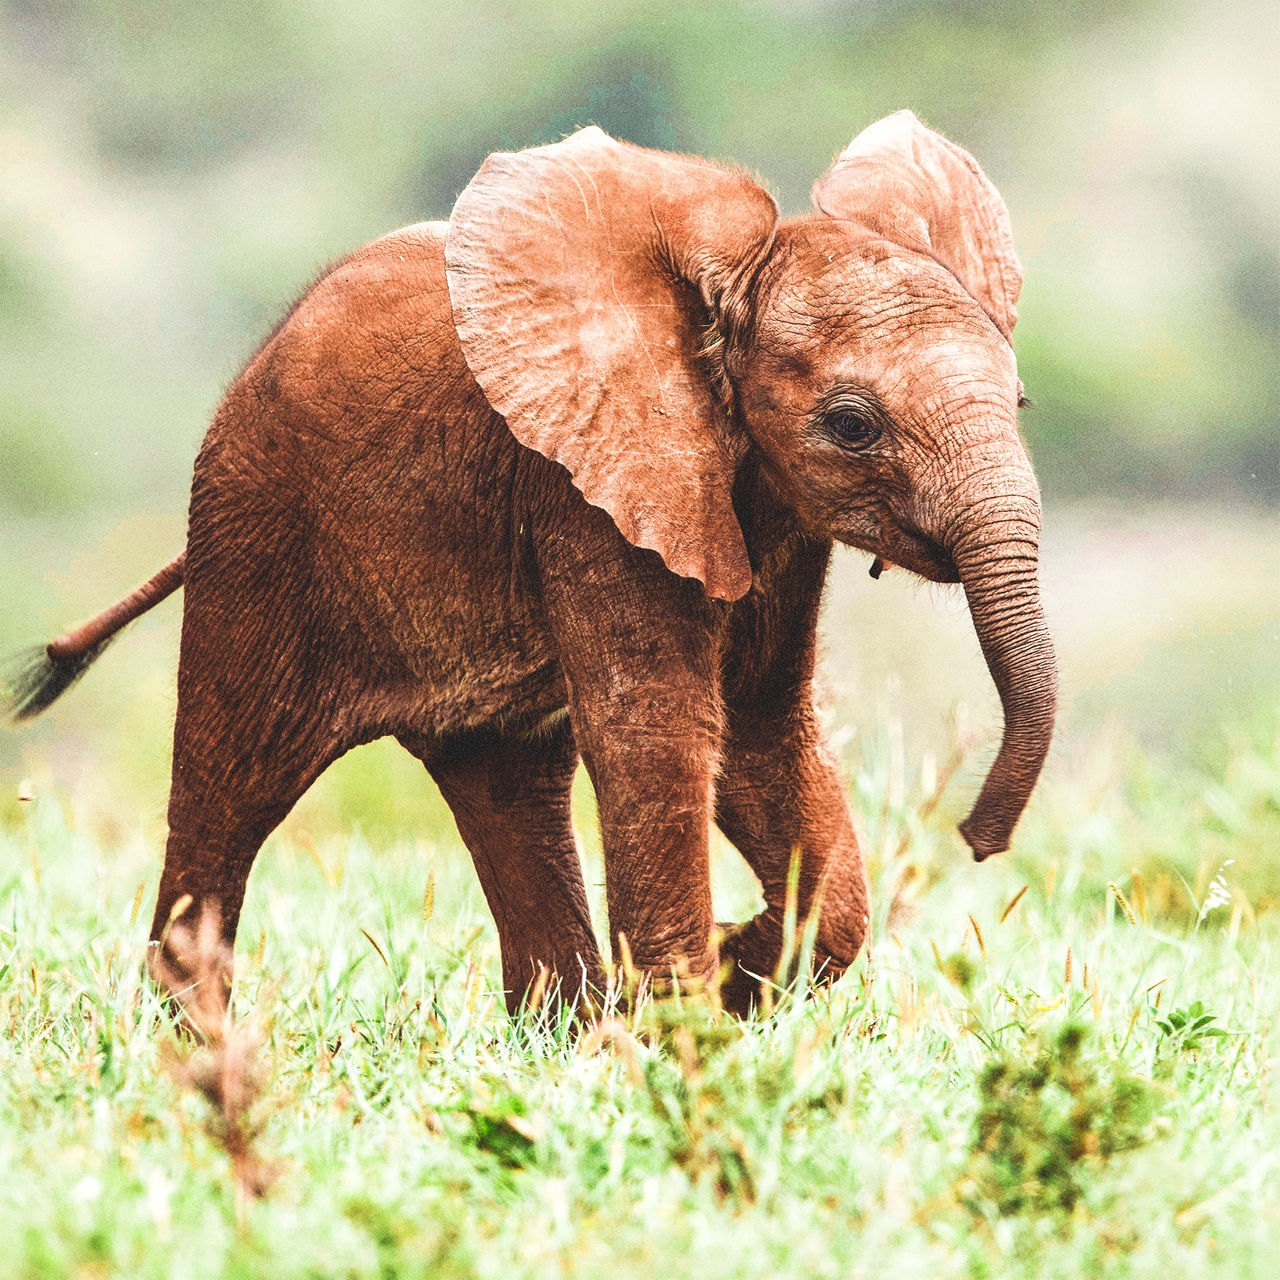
{"points": [[510, 797], [254, 728], [654, 780], [648, 725], [653, 772], [780, 801], [640, 648]]}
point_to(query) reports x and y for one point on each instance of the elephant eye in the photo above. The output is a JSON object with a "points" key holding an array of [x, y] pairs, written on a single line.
{"points": [[851, 428]]}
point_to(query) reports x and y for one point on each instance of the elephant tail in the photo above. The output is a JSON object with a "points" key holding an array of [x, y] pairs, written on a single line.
{"points": [[41, 676]]}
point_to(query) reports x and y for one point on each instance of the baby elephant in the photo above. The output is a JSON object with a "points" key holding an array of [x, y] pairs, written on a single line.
{"points": [[560, 478]]}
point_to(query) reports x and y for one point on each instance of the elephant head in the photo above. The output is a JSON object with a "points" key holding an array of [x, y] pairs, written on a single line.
{"points": [[645, 320]]}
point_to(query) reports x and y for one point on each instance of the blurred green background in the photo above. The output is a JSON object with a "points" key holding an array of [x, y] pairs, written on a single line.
{"points": [[172, 175]]}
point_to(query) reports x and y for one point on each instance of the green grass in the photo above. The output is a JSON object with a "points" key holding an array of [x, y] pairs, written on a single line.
{"points": [[1074, 1084]]}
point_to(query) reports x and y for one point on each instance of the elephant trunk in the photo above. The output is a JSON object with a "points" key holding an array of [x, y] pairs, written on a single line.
{"points": [[997, 556]]}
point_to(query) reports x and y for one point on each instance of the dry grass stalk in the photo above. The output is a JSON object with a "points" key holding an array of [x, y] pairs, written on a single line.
{"points": [[225, 1066], [1123, 901], [1013, 902], [901, 907]]}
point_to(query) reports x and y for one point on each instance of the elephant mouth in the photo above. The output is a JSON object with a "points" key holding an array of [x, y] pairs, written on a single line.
{"points": [[918, 554]]}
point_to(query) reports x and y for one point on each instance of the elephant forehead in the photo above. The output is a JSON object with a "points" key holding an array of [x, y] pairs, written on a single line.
{"points": [[832, 283], [927, 367]]}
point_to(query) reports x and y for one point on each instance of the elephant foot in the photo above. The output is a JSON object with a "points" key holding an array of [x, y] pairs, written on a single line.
{"points": [[756, 968]]}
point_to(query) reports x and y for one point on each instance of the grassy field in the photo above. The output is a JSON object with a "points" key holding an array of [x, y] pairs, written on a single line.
{"points": [[1056, 1064]]}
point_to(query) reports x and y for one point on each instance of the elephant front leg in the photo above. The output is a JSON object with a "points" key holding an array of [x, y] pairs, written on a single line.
{"points": [[654, 786], [640, 649], [780, 802], [654, 778]]}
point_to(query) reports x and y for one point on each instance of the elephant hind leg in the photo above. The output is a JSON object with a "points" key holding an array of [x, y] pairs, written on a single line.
{"points": [[252, 733], [510, 797], [221, 810]]}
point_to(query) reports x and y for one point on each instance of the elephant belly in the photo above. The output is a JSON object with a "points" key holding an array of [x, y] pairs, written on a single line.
{"points": [[432, 565]]}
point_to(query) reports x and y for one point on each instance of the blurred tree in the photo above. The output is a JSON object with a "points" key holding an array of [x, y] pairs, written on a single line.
{"points": [[172, 174]]}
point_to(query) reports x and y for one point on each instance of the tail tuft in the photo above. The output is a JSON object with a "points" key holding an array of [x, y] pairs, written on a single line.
{"points": [[36, 680]]}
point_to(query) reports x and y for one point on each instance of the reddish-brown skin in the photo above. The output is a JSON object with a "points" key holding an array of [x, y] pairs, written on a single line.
{"points": [[389, 536], [373, 556]]}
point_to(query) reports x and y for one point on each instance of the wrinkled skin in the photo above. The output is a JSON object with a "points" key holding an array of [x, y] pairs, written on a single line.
{"points": [[389, 535]]}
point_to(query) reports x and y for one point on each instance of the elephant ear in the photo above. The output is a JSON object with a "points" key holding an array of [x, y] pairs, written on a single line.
{"points": [[910, 185], [582, 276]]}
